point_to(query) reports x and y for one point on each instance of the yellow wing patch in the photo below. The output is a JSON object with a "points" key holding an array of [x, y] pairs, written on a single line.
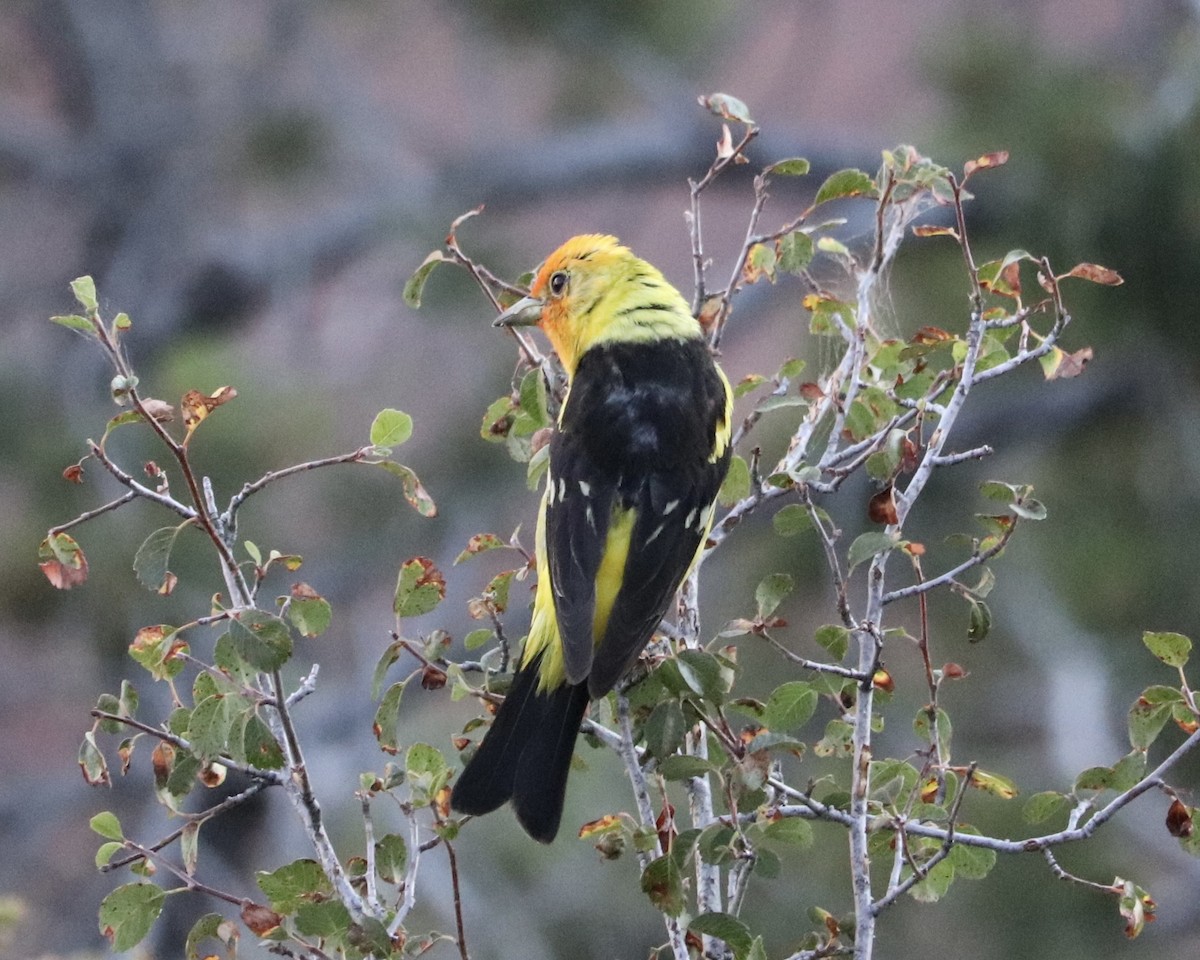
{"points": [[612, 568]]}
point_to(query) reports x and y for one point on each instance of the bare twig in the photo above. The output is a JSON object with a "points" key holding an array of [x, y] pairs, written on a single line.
{"points": [[93, 514]]}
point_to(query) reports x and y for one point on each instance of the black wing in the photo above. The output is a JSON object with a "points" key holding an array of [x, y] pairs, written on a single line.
{"points": [[636, 434]]}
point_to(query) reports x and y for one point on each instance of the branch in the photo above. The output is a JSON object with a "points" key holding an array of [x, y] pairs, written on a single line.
{"points": [[230, 514], [272, 777], [92, 514], [141, 490], [975, 560], [641, 794], [920, 873]]}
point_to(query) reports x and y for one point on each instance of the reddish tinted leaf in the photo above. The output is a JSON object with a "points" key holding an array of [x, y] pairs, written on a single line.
{"points": [[1095, 273], [261, 920], [881, 508], [480, 543], [997, 159], [196, 406], [432, 678], [62, 561], [930, 335], [1179, 820], [933, 230], [74, 473]]}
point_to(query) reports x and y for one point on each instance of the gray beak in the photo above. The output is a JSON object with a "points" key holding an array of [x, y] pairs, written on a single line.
{"points": [[526, 312]]}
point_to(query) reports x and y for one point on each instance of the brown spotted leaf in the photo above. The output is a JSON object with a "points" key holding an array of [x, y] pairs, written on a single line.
{"points": [[196, 406]]}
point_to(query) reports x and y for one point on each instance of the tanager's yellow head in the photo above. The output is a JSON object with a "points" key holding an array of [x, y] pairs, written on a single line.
{"points": [[593, 290]]}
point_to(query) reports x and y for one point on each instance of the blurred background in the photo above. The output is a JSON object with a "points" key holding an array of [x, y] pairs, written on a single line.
{"points": [[253, 182]]}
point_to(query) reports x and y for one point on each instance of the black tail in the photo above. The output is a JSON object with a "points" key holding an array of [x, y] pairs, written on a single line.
{"points": [[526, 755]]}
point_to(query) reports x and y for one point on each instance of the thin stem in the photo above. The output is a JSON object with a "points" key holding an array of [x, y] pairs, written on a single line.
{"points": [[369, 850], [163, 500], [460, 927], [93, 514], [815, 665], [975, 560], [271, 476], [189, 882], [268, 776], [234, 800]]}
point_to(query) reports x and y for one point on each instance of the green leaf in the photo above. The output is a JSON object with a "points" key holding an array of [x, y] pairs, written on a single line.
{"points": [[262, 640], [846, 183], [322, 918], [259, 746], [1146, 721], [737, 482], [310, 615], [534, 402], [663, 884], [1094, 778], [1000, 491], [390, 429], [664, 729], [416, 283], [1042, 806], [781, 402], [107, 825], [704, 673], [294, 884], [727, 107], [868, 545], [770, 592], [212, 723], [790, 830], [419, 588], [757, 950], [792, 520], [106, 851], [211, 926], [684, 767], [937, 881], [1128, 770], [150, 561], [426, 771], [128, 913], [77, 323], [391, 858], [725, 927], [791, 167], [386, 717], [84, 289], [747, 384], [971, 862], [837, 741], [980, 622], [478, 638], [789, 706], [1171, 648], [921, 728], [835, 639], [497, 420]]}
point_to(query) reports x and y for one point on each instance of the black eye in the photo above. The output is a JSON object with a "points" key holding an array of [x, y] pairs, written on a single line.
{"points": [[558, 283]]}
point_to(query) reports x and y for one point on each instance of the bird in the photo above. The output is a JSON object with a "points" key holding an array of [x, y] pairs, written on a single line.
{"points": [[640, 450]]}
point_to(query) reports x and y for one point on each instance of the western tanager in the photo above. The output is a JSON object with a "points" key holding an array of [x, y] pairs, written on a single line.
{"points": [[641, 448]]}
